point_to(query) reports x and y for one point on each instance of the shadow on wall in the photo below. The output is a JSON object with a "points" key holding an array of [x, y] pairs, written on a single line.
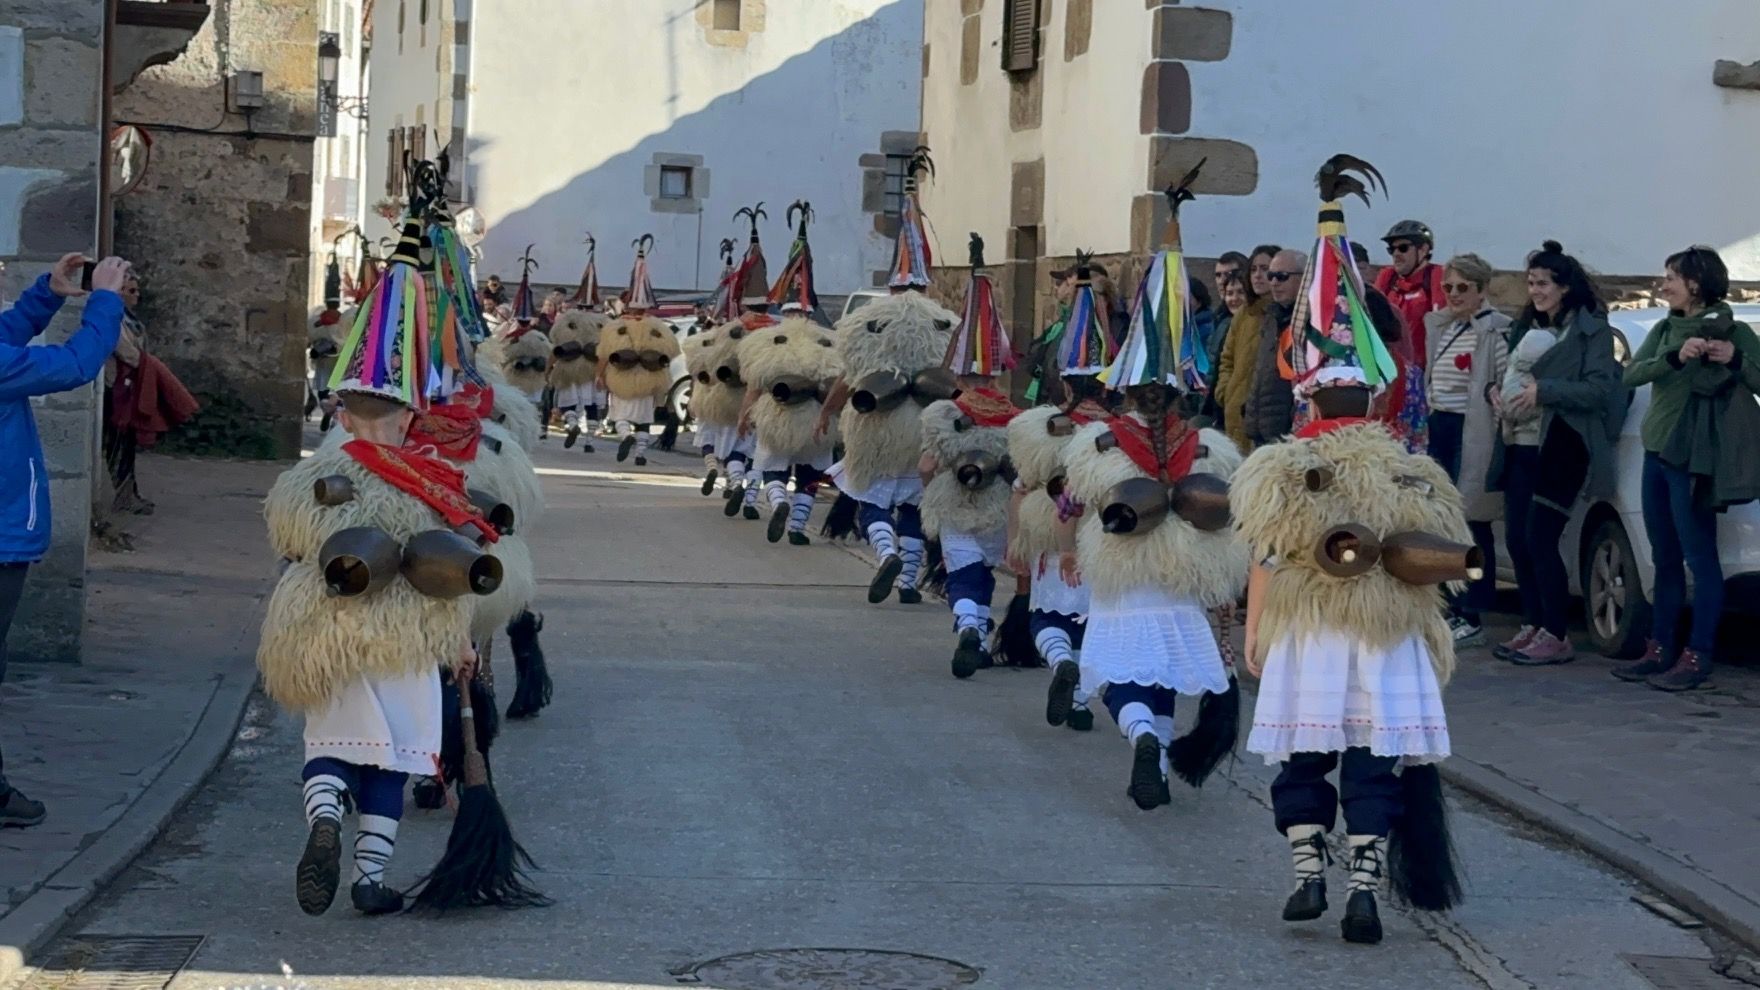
{"points": [[219, 231], [754, 150]]}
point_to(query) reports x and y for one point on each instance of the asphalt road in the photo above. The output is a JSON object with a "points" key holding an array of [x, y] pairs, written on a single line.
{"points": [[743, 755]]}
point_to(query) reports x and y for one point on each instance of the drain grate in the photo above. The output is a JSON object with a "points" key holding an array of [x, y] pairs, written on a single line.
{"points": [[113, 962], [828, 969], [1681, 973]]}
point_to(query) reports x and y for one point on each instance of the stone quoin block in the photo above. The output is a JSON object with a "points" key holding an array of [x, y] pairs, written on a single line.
{"points": [[1026, 100], [969, 50], [927, 48], [1026, 200], [1194, 34], [59, 217], [1078, 29], [11, 76], [1230, 167], [1167, 99], [1735, 75], [970, 8]]}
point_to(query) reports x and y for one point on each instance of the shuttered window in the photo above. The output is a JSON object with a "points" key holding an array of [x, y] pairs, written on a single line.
{"points": [[1020, 35]]}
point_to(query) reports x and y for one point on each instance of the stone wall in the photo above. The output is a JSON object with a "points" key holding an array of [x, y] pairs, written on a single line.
{"points": [[50, 143], [220, 226]]}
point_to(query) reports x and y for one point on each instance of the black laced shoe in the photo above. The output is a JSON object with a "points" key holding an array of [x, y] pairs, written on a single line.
{"points": [[1148, 786], [881, 587], [375, 898], [641, 461], [1362, 922], [1307, 844], [752, 513], [778, 523], [569, 438], [1307, 902], [1060, 697], [799, 540], [1082, 720], [969, 656], [909, 596], [320, 868], [709, 481], [731, 507], [18, 811], [624, 446]]}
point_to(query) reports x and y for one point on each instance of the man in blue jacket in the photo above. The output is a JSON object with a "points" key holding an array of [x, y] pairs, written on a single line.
{"points": [[24, 480]]}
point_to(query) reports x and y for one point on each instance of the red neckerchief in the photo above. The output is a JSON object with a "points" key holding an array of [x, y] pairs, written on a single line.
{"points": [[479, 398], [521, 330], [757, 321], [452, 431], [439, 485], [1139, 446], [986, 406], [1321, 427], [1088, 411]]}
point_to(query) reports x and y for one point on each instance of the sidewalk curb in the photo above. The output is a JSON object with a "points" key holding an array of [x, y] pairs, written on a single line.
{"points": [[31, 925], [1717, 905]]}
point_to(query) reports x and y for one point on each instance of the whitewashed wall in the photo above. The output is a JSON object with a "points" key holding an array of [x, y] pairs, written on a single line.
{"points": [[1095, 160], [1499, 122], [406, 87], [571, 99]]}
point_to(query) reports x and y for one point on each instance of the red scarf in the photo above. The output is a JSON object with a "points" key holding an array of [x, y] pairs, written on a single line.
{"points": [[439, 485], [1088, 411], [1321, 427], [1134, 439], [986, 407], [451, 431]]}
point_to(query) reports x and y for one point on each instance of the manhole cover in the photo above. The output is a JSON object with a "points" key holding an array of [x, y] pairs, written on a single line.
{"points": [[829, 969], [1681, 973], [113, 962]]}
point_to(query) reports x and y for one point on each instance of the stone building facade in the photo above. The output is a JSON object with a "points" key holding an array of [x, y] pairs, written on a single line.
{"points": [[715, 105], [221, 225], [51, 144], [1057, 123]]}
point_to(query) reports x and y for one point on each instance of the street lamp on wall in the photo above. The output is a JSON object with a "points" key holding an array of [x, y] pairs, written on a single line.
{"points": [[329, 60]]}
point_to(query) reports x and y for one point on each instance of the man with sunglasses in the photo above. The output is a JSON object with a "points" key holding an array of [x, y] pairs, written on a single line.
{"points": [[1413, 283], [1270, 409]]}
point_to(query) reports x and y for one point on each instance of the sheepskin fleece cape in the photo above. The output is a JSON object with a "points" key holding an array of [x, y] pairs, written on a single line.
{"points": [[1208, 567], [509, 474], [511, 409], [313, 644], [519, 585], [575, 326], [712, 402], [946, 504], [501, 352], [796, 347], [1037, 458], [638, 333], [905, 334], [1377, 484], [1037, 455]]}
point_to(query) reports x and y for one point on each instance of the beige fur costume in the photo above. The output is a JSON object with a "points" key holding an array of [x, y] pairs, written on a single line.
{"points": [[314, 644], [642, 335], [1038, 457], [947, 505], [798, 350], [1280, 518], [503, 351], [904, 334], [577, 327], [1209, 567]]}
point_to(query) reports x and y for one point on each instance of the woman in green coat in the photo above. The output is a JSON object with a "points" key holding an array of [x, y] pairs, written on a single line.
{"points": [[1699, 337]]}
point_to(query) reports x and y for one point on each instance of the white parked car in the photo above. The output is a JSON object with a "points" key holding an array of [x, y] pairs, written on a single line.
{"points": [[1607, 553], [860, 298]]}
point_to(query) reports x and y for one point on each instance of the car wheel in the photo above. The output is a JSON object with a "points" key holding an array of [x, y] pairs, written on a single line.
{"points": [[679, 401], [1613, 595]]}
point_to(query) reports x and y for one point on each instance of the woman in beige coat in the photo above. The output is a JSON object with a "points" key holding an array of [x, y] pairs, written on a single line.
{"points": [[1468, 354]]}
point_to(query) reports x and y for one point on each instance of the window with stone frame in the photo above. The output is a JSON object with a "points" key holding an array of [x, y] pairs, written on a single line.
{"points": [[897, 170], [727, 15], [675, 182]]}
